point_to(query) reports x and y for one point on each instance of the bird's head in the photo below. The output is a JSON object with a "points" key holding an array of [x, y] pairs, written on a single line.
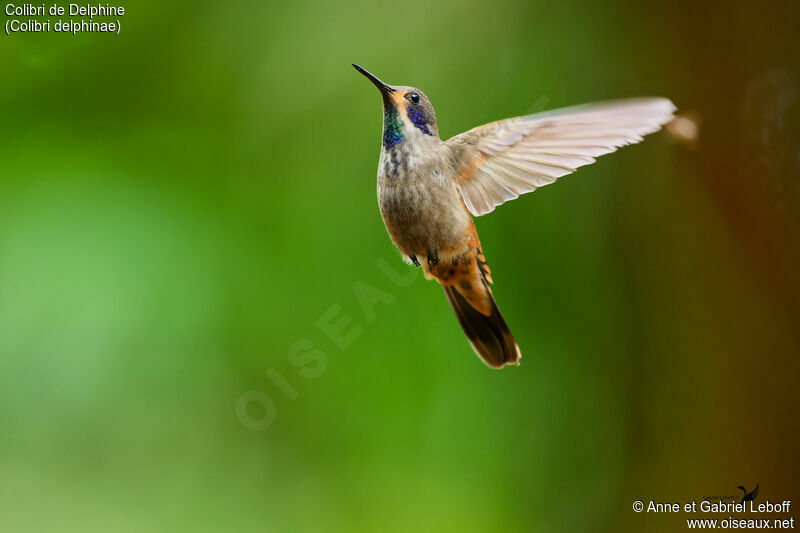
{"points": [[407, 113]]}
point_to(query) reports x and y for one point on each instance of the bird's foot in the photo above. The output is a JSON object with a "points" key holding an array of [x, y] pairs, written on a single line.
{"points": [[433, 257]]}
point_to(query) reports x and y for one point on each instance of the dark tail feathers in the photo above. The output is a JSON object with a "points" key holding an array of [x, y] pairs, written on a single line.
{"points": [[489, 335]]}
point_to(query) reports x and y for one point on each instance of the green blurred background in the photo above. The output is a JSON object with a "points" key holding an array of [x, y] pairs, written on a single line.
{"points": [[181, 203]]}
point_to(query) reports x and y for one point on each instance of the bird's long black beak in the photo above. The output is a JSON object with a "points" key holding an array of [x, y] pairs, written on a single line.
{"points": [[383, 87]]}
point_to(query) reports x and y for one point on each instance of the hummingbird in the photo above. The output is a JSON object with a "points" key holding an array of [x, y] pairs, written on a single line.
{"points": [[429, 189]]}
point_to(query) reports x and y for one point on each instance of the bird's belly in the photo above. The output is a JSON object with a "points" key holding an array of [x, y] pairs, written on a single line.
{"points": [[423, 218]]}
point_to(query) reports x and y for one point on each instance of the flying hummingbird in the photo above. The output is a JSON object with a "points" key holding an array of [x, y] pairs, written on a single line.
{"points": [[428, 188]]}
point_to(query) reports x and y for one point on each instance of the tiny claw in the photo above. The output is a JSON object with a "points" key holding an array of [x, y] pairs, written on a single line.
{"points": [[433, 257]]}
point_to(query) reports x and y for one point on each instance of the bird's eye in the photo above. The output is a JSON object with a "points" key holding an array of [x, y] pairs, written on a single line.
{"points": [[414, 97]]}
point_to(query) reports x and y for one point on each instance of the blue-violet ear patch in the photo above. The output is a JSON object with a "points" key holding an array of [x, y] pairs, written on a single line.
{"points": [[419, 119]]}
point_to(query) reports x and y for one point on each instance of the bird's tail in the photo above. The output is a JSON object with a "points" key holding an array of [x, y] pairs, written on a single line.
{"points": [[488, 334]]}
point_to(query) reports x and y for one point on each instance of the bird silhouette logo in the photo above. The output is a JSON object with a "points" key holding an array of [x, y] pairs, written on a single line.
{"points": [[748, 496]]}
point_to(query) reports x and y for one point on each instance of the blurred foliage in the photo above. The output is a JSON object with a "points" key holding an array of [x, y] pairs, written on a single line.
{"points": [[180, 204]]}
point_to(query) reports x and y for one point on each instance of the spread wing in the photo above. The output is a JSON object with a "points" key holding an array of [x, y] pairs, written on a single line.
{"points": [[503, 159]]}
